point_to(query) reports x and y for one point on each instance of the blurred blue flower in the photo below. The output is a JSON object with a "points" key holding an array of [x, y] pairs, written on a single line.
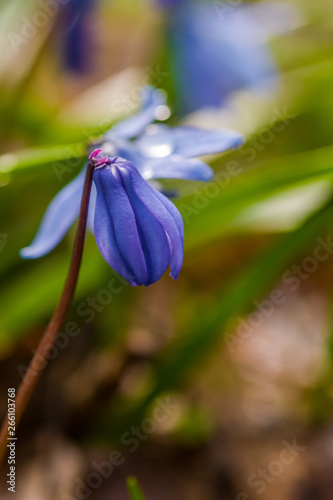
{"points": [[218, 48], [75, 34], [158, 152]]}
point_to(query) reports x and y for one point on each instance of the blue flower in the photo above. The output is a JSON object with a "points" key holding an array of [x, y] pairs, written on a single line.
{"points": [[158, 152], [138, 231], [217, 48], [75, 34]]}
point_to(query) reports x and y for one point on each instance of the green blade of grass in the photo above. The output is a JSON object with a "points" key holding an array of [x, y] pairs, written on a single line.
{"points": [[30, 158], [217, 214]]}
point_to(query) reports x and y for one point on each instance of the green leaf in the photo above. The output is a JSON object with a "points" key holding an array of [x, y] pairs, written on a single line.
{"points": [[207, 217], [30, 158]]}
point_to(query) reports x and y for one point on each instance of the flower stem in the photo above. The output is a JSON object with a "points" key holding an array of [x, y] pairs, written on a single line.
{"points": [[40, 358]]}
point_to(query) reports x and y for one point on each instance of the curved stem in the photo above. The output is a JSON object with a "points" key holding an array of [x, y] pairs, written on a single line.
{"points": [[40, 358]]}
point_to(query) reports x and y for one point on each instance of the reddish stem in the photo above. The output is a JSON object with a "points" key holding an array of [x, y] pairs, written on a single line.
{"points": [[39, 360]]}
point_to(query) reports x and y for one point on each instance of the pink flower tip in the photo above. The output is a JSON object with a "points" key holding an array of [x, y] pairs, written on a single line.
{"points": [[95, 153], [101, 161]]}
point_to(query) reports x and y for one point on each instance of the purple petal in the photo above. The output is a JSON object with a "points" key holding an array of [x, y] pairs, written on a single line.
{"points": [[177, 241], [153, 237], [177, 167], [60, 215], [160, 141], [131, 127], [167, 214], [115, 228]]}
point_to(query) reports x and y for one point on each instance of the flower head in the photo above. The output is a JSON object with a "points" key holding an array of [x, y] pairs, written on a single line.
{"points": [[137, 229]]}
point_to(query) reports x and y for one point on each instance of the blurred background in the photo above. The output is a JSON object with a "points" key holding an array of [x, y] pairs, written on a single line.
{"points": [[217, 386]]}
